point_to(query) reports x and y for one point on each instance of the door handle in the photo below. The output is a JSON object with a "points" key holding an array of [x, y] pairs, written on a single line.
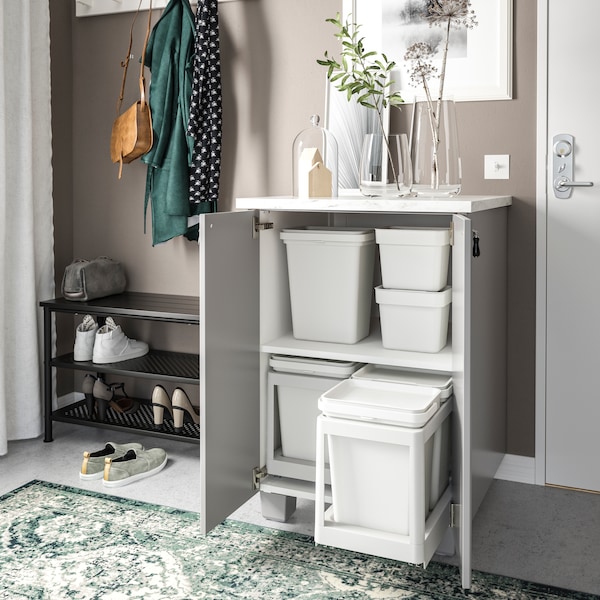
{"points": [[563, 149], [562, 183]]}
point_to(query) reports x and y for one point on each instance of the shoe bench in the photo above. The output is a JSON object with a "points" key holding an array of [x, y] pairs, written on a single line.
{"points": [[177, 367]]}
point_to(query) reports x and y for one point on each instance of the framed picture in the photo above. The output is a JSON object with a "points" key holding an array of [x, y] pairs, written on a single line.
{"points": [[479, 59]]}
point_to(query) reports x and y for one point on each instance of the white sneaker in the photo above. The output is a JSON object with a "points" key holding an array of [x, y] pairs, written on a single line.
{"points": [[112, 345], [85, 337]]}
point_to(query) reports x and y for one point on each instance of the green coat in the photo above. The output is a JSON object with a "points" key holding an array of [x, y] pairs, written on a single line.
{"points": [[169, 56]]}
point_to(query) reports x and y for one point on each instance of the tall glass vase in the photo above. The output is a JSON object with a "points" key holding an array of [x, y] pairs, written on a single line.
{"points": [[385, 169], [435, 153]]}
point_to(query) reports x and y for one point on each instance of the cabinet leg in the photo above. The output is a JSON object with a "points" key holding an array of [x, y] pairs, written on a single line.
{"points": [[277, 507], [447, 546]]}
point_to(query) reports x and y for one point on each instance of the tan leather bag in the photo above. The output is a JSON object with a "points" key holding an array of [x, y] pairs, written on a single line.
{"points": [[132, 135]]}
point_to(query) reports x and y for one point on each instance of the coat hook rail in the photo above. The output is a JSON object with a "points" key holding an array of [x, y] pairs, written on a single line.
{"points": [[91, 8]]}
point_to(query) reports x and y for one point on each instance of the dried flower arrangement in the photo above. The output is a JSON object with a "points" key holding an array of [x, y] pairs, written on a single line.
{"points": [[447, 14]]}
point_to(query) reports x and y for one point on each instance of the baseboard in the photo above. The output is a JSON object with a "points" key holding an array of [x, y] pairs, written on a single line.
{"points": [[69, 398], [517, 468]]}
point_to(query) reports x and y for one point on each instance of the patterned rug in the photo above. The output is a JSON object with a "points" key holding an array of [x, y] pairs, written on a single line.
{"points": [[60, 542]]}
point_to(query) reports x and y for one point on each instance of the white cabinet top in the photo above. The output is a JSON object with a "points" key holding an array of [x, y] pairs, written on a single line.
{"points": [[354, 202]]}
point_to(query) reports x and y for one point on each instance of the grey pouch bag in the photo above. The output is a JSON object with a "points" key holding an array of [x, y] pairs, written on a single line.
{"points": [[88, 279]]}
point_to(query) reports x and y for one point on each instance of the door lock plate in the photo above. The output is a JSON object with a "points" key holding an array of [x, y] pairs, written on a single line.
{"points": [[562, 164], [563, 146]]}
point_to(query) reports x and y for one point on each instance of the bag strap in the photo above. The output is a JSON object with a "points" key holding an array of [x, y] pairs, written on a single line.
{"points": [[125, 63], [142, 80]]}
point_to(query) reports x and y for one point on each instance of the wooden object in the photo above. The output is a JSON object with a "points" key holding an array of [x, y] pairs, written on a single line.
{"points": [[314, 178]]}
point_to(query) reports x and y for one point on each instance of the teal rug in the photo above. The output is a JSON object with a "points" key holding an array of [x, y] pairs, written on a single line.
{"points": [[60, 542]]}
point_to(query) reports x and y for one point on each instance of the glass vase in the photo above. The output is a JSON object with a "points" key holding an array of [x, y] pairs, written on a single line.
{"points": [[385, 169], [434, 147]]}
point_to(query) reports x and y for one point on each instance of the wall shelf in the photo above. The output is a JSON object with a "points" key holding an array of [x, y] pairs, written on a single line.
{"points": [[92, 8]]}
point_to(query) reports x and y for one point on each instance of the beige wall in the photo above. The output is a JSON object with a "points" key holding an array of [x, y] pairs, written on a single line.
{"points": [[509, 127], [272, 84]]}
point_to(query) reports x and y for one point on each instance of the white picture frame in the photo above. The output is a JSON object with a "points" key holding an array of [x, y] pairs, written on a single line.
{"points": [[93, 8], [482, 72]]}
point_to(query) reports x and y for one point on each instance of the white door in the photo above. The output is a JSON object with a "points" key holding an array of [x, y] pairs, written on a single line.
{"points": [[572, 380]]}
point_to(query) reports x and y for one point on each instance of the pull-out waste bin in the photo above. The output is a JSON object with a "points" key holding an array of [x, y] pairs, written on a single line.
{"points": [[294, 387], [389, 465]]}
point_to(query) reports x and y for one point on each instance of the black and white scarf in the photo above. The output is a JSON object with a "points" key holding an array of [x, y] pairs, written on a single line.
{"points": [[205, 120]]}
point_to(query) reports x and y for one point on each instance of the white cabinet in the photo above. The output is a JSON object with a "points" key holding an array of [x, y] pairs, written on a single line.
{"points": [[245, 317]]}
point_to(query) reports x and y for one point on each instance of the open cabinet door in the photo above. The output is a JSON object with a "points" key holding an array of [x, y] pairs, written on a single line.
{"points": [[479, 365], [461, 356], [229, 363]]}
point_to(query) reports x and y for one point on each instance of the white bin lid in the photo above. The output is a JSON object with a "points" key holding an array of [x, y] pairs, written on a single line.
{"points": [[413, 297], [413, 236], [336, 235], [440, 381], [381, 402], [313, 366]]}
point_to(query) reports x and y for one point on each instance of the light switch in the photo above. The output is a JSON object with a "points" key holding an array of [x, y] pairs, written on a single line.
{"points": [[496, 166]]}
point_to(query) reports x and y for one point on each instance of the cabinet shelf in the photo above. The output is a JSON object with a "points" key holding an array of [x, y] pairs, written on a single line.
{"points": [[140, 421], [167, 366], [368, 350]]}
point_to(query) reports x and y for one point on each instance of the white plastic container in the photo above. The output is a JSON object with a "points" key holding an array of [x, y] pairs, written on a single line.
{"points": [[413, 321], [387, 444], [321, 367], [330, 277], [295, 385], [438, 452], [414, 258], [373, 401], [391, 374]]}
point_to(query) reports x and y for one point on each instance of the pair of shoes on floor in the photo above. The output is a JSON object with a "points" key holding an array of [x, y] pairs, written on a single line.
{"points": [[99, 395], [106, 344], [122, 464], [179, 408]]}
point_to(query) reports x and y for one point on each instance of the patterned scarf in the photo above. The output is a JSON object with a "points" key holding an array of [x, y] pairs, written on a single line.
{"points": [[205, 120]]}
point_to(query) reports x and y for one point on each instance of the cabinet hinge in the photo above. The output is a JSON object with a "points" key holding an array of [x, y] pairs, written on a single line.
{"points": [[455, 510], [258, 474], [257, 226], [451, 233]]}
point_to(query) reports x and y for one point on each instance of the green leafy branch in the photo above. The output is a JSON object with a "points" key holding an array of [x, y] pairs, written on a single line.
{"points": [[362, 73], [359, 72]]}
